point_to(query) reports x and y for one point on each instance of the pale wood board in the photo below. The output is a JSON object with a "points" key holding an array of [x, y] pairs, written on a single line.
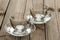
{"points": [[38, 34], [28, 7], [16, 8], [52, 27], [3, 6], [27, 12], [25, 37], [21, 8], [1, 18], [57, 2]]}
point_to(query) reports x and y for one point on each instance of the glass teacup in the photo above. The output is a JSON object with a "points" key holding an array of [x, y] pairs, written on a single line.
{"points": [[20, 28], [40, 18]]}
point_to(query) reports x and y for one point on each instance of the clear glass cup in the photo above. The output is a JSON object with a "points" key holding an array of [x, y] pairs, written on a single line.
{"points": [[20, 28], [40, 17]]}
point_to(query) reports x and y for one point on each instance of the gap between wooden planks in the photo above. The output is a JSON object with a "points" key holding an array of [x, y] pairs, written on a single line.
{"points": [[16, 8], [52, 26], [57, 7], [12, 10], [38, 34], [3, 8]]}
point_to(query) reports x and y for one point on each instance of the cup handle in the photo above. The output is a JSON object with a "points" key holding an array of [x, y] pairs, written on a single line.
{"points": [[59, 10], [49, 10]]}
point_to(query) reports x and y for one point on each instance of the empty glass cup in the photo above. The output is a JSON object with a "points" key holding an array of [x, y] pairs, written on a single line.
{"points": [[20, 28], [38, 17]]}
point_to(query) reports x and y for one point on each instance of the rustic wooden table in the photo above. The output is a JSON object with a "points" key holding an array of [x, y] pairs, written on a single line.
{"points": [[20, 8]]}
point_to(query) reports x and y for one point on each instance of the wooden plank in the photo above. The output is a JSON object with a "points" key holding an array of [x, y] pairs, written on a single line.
{"points": [[18, 38], [28, 7], [27, 12], [38, 5], [38, 34], [9, 37], [58, 14], [6, 20], [16, 9], [2, 38], [3, 6], [52, 29], [25, 38], [1, 18]]}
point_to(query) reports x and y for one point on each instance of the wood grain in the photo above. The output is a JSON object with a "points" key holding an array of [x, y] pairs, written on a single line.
{"points": [[2, 38], [16, 9], [28, 7], [27, 12], [52, 29], [3, 6], [1, 18], [58, 14], [38, 34], [25, 37], [19, 9], [9, 37]]}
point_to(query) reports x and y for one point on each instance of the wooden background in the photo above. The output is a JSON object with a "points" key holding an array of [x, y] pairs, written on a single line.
{"points": [[20, 8]]}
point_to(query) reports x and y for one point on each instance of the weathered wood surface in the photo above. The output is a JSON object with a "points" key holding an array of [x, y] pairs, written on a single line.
{"points": [[1, 18], [38, 34], [19, 9], [37, 5], [57, 2], [52, 26], [16, 9], [2, 38], [3, 8]]}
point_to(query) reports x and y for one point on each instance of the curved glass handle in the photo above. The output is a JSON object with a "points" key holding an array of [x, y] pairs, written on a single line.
{"points": [[48, 9], [12, 18], [59, 10]]}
